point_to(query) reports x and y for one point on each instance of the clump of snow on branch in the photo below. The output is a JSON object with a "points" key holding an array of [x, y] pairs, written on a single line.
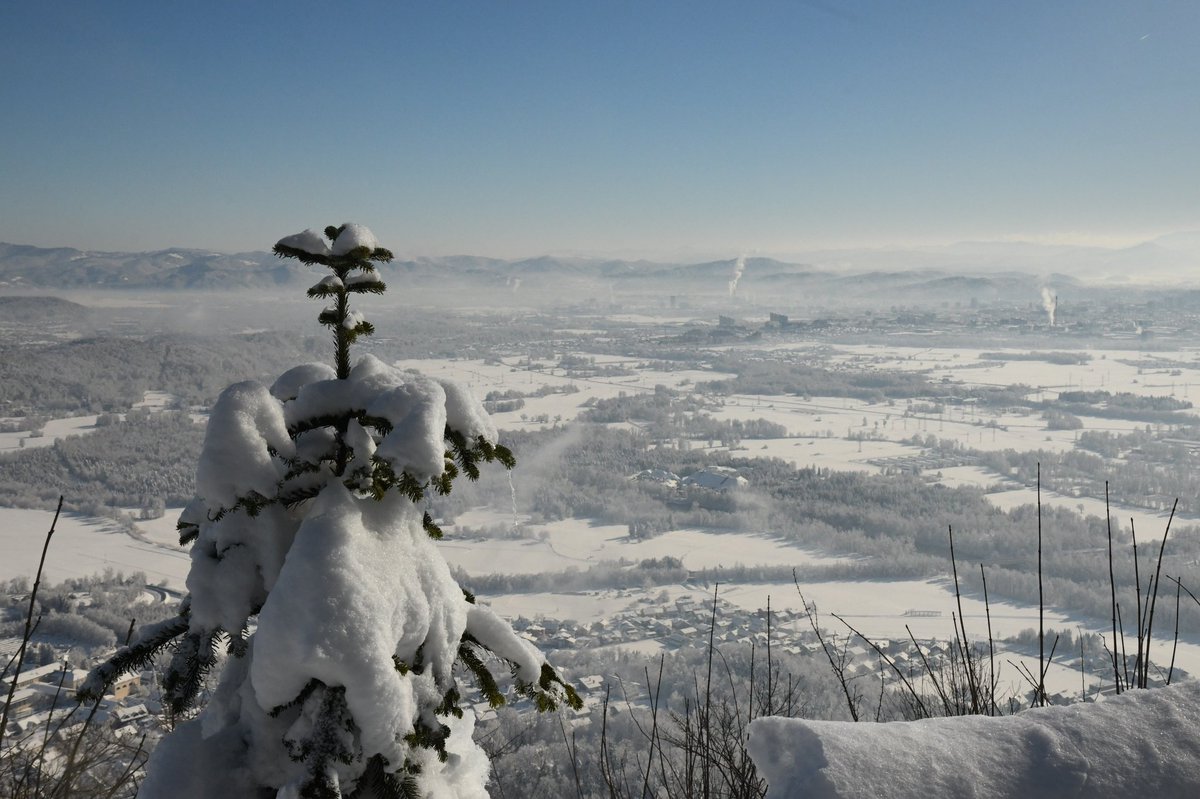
{"points": [[352, 237], [245, 423], [363, 582], [466, 415], [327, 284], [496, 634], [310, 241], [235, 563], [353, 320], [417, 412], [288, 385], [1142, 743], [358, 278]]}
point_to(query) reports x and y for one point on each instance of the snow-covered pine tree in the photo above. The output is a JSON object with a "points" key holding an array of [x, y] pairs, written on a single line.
{"points": [[314, 568]]}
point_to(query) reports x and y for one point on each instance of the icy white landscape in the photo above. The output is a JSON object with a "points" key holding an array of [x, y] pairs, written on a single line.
{"points": [[682, 524]]}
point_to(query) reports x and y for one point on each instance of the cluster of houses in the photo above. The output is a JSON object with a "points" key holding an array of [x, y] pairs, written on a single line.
{"points": [[689, 621], [43, 696], [686, 621], [713, 478]]}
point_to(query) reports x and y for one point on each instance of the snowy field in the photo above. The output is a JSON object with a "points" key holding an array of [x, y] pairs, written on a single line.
{"points": [[1107, 369], [882, 608], [841, 417], [1088, 506], [502, 556], [482, 377], [584, 606], [585, 544], [578, 543], [161, 531], [156, 400], [51, 432], [83, 546], [828, 453]]}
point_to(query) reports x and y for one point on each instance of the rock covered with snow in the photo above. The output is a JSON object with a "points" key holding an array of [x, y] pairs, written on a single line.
{"points": [[1142, 743]]}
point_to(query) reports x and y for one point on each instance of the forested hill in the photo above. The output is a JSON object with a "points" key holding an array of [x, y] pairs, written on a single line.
{"points": [[65, 267], [39, 310], [109, 373]]}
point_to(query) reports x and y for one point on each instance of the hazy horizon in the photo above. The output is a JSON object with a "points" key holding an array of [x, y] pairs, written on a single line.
{"points": [[1190, 245]]}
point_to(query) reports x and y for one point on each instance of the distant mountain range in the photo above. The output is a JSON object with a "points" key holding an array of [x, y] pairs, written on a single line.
{"points": [[65, 267], [1170, 258], [986, 271]]}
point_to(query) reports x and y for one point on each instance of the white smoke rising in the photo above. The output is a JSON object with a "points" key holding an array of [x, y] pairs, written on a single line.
{"points": [[739, 266], [1050, 304]]}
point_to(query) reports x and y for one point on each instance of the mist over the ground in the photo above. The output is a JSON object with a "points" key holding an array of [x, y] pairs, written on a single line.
{"points": [[971, 273]]}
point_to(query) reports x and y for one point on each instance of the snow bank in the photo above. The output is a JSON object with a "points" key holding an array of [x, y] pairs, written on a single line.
{"points": [[1142, 743]]}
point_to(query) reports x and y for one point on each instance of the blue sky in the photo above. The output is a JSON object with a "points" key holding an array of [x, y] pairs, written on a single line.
{"points": [[641, 128]]}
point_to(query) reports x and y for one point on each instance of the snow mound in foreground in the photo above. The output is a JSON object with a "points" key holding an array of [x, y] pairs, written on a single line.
{"points": [[1142, 743]]}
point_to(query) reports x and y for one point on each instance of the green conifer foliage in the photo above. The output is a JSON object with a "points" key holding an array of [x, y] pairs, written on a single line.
{"points": [[313, 569]]}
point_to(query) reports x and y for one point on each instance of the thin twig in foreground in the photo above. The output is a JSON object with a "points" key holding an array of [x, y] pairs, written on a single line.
{"points": [[12, 688]]}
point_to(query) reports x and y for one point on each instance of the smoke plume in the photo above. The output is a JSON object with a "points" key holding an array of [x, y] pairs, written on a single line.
{"points": [[739, 266], [1050, 304]]}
